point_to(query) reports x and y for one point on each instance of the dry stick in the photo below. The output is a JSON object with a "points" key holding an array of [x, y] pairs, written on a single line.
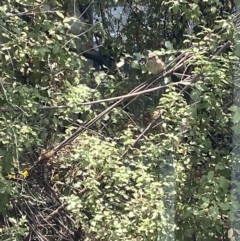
{"points": [[194, 80]]}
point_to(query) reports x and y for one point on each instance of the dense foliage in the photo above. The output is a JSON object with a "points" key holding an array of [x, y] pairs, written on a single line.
{"points": [[77, 161]]}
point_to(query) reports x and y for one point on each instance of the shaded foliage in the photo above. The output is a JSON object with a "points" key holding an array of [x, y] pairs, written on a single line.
{"points": [[77, 161]]}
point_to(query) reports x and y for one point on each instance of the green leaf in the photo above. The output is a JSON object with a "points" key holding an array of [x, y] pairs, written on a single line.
{"points": [[131, 214], [60, 14], [224, 206], [45, 7], [230, 233], [210, 175], [169, 45], [120, 64], [213, 212]]}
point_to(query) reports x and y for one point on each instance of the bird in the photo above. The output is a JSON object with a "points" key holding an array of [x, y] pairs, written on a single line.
{"points": [[154, 64]]}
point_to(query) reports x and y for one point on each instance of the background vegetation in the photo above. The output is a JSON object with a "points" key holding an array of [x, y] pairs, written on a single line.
{"points": [[77, 163]]}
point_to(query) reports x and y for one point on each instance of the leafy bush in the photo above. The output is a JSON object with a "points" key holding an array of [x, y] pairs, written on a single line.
{"points": [[92, 155]]}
